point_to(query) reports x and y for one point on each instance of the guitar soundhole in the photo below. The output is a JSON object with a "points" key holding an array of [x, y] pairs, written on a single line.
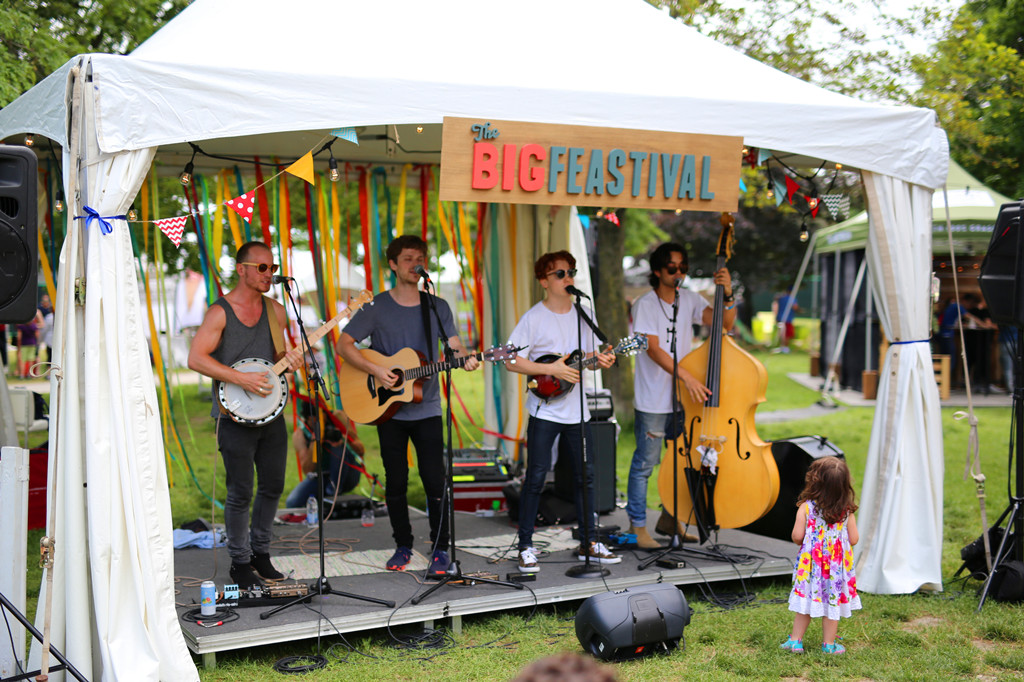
{"points": [[400, 373]]}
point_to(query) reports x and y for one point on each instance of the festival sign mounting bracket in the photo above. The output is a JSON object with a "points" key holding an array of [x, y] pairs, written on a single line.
{"points": [[517, 162]]}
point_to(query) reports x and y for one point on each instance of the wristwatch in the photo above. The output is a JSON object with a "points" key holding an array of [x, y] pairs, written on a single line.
{"points": [[730, 298]]}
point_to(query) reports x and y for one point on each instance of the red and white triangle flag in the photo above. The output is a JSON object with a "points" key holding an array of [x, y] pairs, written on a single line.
{"points": [[243, 205], [174, 228]]}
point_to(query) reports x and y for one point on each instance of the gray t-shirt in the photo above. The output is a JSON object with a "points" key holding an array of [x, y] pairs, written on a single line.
{"points": [[392, 327]]}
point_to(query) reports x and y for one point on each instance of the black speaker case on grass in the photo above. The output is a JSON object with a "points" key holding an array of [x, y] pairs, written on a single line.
{"points": [[793, 457], [632, 623], [19, 253]]}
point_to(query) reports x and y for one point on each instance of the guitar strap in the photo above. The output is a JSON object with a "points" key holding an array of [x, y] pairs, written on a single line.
{"points": [[275, 330], [590, 323], [425, 314]]}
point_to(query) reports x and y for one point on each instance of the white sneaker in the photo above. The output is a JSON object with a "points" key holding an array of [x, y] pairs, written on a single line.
{"points": [[598, 553], [528, 560]]}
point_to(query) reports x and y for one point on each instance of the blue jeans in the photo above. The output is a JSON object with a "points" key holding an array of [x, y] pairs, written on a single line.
{"points": [[650, 430], [311, 484], [540, 438]]}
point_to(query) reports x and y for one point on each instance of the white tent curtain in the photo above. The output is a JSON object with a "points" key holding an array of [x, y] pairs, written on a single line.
{"points": [[114, 575], [900, 517]]}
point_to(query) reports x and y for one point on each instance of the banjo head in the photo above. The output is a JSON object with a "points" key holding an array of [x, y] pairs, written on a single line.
{"points": [[252, 408]]}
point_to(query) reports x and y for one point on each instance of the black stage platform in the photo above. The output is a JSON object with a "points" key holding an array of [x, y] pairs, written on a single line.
{"points": [[353, 549]]}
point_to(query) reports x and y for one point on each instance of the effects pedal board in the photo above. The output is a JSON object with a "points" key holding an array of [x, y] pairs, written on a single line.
{"points": [[268, 595]]}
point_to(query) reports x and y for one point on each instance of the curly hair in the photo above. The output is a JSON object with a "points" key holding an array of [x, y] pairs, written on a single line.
{"points": [[662, 256], [829, 484], [544, 263]]}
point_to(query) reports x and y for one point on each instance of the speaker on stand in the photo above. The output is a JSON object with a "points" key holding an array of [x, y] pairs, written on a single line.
{"points": [[19, 253]]}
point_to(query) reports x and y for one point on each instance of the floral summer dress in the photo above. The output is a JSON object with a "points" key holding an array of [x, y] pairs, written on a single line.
{"points": [[823, 579]]}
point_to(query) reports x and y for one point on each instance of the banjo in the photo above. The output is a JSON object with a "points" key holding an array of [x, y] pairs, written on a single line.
{"points": [[255, 409]]}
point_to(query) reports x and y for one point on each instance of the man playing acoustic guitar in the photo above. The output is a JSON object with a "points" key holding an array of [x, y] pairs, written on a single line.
{"points": [[652, 380], [551, 327], [396, 320], [238, 326]]}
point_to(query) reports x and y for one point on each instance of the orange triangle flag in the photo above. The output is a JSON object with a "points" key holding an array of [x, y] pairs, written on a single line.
{"points": [[303, 168]]}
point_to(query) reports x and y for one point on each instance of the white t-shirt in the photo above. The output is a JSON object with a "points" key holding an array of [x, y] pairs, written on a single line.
{"points": [[547, 332], [652, 385]]}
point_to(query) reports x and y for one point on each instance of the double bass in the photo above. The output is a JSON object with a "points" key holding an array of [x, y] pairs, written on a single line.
{"points": [[738, 481]]}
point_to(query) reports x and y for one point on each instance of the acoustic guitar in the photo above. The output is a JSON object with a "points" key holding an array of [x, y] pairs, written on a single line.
{"points": [[367, 401], [255, 409], [549, 388]]}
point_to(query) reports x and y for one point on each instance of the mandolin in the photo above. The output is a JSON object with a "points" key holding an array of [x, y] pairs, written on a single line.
{"points": [[549, 388]]}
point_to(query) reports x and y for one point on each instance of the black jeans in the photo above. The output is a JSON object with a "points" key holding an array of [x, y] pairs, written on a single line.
{"points": [[540, 438], [428, 440], [245, 449]]}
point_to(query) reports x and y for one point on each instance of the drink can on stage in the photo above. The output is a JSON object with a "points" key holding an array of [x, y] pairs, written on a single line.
{"points": [[208, 598]]}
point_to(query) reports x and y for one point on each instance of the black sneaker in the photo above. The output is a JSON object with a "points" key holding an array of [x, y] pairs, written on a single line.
{"points": [[261, 564], [244, 576]]}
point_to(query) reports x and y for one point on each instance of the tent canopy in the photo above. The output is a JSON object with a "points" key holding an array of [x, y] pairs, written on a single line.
{"points": [[973, 209], [213, 76]]}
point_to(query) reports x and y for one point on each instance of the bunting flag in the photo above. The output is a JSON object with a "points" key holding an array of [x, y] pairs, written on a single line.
{"points": [[347, 134], [751, 158], [838, 205], [174, 228], [763, 155], [791, 187], [780, 191], [303, 168], [243, 205]]}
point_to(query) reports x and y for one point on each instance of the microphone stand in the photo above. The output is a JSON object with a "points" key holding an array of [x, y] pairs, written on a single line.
{"points": [[587, 569], [676, 541], [314, 383], [454, 572]]}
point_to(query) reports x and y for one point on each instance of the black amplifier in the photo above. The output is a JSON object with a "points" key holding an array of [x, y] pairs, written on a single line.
{"points": [[600, 405]]}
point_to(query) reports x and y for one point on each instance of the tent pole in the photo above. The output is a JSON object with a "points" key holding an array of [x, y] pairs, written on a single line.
{"points": [[832, 378]]}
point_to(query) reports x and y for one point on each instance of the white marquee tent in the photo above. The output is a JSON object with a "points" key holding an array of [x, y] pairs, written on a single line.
{"points": [[266, 77]]}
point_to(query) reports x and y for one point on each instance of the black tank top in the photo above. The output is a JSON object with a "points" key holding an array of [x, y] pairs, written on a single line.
{"points": [[238, 341]]}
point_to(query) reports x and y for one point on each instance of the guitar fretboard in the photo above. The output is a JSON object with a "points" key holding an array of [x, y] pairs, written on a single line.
{"points": [[432, 368]]}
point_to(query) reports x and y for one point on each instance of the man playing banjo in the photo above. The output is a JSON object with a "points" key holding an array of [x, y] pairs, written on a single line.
{"points": [[238, 325]]}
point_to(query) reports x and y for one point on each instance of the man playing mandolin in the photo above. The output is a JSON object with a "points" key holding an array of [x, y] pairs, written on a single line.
{"points": [[399, 319], [652, 380], [238, 326], [551, 327]]}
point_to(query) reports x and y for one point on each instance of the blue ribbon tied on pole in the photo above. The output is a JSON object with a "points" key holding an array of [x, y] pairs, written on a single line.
{"points": [[92, 214]]}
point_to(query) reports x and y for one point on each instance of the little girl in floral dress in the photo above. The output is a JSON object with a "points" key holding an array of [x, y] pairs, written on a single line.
{"points": [[823, 581]]}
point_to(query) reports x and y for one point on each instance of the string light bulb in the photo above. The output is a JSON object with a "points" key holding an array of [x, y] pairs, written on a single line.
{"points": [[813, 203], [804, 236], [58, 203], [133, 215], [839, 166], [679, 211], [770, 194], [30, 140], [186, 175], [332, 169], [419, 129]]}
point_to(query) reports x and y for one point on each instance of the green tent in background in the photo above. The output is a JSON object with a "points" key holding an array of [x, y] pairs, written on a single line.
{"points": [[973, 208]]}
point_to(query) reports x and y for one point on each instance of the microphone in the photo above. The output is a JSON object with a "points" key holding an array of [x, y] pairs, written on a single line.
{"points": [[576, 292], [281, 279], [421, 272]]}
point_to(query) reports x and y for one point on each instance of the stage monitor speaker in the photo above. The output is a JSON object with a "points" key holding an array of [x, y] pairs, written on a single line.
{"points": [[603, 438], [1000, 279], [18, 234], [793, 458], [632, 623]]}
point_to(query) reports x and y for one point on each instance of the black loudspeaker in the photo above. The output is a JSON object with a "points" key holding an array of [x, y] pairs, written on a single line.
{"points": [[793, 458], [603, 439], [18, 234], [635, 622], [1000, 277]]}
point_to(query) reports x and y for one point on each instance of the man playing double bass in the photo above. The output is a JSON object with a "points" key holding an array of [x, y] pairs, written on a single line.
{"points": [[652, 379]]}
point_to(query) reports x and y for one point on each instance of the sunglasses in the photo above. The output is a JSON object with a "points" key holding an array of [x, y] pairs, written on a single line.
{"points": [[560, 274], [672, 268], [263, 267]]}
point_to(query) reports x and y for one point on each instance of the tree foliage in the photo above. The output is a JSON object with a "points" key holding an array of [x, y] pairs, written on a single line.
{"points": [[974, 81], [37, 36]]}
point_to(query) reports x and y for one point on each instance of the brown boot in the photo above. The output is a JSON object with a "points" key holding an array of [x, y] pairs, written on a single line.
{"points": [[664, 527], [643, 538]]}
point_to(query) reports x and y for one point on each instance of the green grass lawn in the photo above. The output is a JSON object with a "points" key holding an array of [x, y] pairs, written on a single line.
{"points": [[904, 637]]}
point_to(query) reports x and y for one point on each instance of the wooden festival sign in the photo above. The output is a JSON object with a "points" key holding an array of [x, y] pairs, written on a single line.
{"points": [[565, 165]]}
